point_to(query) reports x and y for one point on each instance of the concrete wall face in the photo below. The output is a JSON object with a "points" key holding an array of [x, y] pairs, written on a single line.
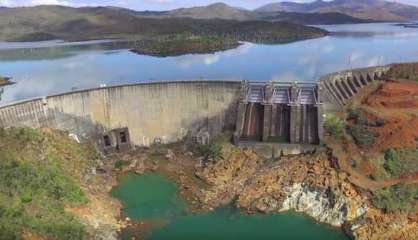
{"points": [[167, 111], [338, 88]]}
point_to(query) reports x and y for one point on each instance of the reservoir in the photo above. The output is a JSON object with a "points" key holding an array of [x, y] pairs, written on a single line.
{"points": [[52, 67]]}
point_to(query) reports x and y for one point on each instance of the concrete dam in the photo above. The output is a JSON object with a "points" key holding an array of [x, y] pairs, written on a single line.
{"points": [[282, 117]]}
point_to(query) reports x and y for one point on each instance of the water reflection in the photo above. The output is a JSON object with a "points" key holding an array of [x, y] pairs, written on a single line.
{"points": [[41, 71], [57, 50]]}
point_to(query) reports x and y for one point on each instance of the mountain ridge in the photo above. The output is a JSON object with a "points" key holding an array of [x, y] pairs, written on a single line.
{"points": [[379, 10], [224, 11]]}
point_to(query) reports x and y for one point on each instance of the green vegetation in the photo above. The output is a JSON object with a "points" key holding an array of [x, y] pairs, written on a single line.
{"points": [[397, 197], [40, 173], [362, 136], [35, 37], [182, 45], [408, 71], [399, 162], [360, 127], [213, 150], [119, 164], [334, 126]]}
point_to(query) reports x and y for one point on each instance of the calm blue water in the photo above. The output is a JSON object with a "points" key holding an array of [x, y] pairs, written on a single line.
{"points": [[60, 68], [153, 197]]}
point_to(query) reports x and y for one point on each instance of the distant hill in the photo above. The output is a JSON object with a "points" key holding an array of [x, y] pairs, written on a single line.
{"points": [[217, 10], [379, 10], [224, 11], [49, 22], [311, 18]]}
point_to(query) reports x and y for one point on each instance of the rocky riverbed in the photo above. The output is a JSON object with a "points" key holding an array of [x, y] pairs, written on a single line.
{"points": [[309, 184]]}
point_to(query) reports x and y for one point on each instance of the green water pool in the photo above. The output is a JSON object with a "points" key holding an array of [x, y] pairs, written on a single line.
{"points": [[152, 196]]}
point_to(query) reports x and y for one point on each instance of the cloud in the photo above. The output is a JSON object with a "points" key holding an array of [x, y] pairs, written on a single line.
{"points": [[188, 61]]}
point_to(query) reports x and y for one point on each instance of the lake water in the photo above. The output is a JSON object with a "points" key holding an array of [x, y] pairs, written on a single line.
{"points": [[153, 197], [40, 70]]}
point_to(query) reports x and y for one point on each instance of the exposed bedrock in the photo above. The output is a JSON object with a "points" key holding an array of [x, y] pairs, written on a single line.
{"points": [[307, 184]]}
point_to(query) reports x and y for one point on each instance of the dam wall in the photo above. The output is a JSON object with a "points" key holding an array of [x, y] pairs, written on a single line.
{"points": [[278, 117], [338, 88], [162, 111]]}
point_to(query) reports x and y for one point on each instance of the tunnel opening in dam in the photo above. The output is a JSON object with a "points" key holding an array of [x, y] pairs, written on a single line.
{"points": [[253, 123], [309, 125], [279, 123]]}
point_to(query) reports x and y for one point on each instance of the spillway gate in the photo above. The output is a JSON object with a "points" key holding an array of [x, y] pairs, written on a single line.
{"points": [[279, 112]]}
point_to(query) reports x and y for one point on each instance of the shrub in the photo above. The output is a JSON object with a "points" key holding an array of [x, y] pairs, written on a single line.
{"points": [[358, 115], [391, 164], [119, 164], [359, 130], [397, 197], [211, 151], [362, 136], [334, 126], [398, 162]]}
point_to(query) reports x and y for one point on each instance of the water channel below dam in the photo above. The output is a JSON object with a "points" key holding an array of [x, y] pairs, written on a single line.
{"points": [[152, 197]]}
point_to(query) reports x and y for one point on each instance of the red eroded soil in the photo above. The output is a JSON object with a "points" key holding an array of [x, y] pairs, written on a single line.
{"points": [[398, 133], [395, 94], [397, 103]]}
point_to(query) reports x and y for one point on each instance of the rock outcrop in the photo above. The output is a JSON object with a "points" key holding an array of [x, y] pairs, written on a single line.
{"points": [[305, 184], [333, 210], [228, 176], [308, 184], [377, 225]]}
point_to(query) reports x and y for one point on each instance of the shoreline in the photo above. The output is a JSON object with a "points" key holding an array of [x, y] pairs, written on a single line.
{"points": [[5, 81]]}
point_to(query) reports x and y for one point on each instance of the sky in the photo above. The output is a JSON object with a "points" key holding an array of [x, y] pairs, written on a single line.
{"points": [[153, 4]]}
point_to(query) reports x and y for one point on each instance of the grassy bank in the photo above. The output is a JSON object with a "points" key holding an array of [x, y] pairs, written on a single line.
{"points": [[40, 173]]}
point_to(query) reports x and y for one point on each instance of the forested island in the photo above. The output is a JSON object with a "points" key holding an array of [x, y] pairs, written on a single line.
{"points": [[222, 35], [184, 45]]}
